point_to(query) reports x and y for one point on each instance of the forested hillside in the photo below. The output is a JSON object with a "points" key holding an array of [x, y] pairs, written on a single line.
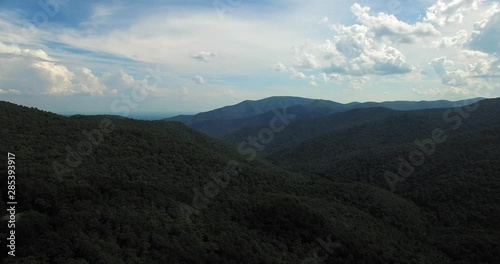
{"points": [[454, 179], [160, 192], [244, 109], [302, 129], [224, 121]]}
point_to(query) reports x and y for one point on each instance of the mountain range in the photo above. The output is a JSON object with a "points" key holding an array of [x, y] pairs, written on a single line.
{"points": [[223, 121], [359, 185]]}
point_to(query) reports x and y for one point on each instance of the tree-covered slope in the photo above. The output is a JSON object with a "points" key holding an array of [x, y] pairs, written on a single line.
{"points": [[445, 161], [247, 114], [222, 128], [160, 192], [244, 109], [302, 129]]}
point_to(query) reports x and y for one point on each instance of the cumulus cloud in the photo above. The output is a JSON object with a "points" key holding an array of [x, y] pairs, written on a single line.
{"points": [[121, 82], [58, 78], [204, 56], [330, 77], [472, 54], [33, 71], [381, 44], [445, 68], [358, 82], [358, 50], [458, 40], [87, 82], [307, 61], [297, 74], [388, 26], [198, 79], [474, 77], [313, 84], [11, 51], [486, 35], [279, 67], [473, 70], [361, 55], [445, 12]]}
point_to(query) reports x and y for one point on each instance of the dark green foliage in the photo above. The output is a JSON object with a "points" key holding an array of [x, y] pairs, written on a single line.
{"points": [[121, 202], [304, 128], [457, 186]]}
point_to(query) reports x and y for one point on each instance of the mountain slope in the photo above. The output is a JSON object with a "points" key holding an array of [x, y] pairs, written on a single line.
{"points": [[398, 127], [420, 105], [302, 129], [242, 110], [223, 121], [454, 179], [220, 128], [160, 192]]}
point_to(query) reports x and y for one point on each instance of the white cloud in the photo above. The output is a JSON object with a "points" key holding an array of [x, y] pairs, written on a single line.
{"points": [[297, 74], [330, 77], [458, 40], [472, 54], [279, 67], [307, 61], [33, 71], [10, 91], [445, 68], [377, 45], [199, 79], [486, 36], [123, 82], [358, 82], [323, 21], [473, 77], [362, 55], [313, 84], [58, 78], [87, 82], [446, 12], [441, 91], [204, 56], [361, 49], [388, 26]]}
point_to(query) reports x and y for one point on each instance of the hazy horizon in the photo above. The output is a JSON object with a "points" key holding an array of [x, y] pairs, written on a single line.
{"points": [[157, 115]]}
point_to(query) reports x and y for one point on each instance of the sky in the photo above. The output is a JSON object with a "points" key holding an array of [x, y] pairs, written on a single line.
{"points": [[125, 57]]}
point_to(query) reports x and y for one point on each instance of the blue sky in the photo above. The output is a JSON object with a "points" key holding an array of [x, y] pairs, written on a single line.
{"points": [[175, 56]]}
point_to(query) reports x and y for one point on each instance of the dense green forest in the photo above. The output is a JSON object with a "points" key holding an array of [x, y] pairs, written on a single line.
{"points": [[103, 189]]}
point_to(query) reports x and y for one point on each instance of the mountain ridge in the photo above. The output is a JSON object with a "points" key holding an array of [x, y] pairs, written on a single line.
{"points": [[223, 121]]}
